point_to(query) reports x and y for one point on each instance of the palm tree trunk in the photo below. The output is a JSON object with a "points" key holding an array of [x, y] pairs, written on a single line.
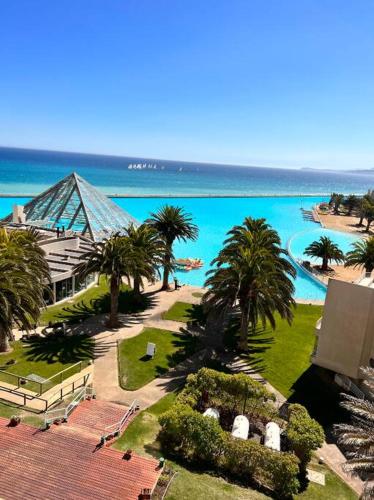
{"points": [[114, 293], [136, 286], [4, 341], [368, 226], [165, 280], [361, 220], [325, 264], [244, 325]]}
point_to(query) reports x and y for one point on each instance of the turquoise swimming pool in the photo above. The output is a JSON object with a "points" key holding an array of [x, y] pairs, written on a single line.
{"points": [[215, 216], [300, 241]]}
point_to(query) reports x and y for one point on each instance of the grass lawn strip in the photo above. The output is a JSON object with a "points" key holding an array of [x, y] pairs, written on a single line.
{"points": [[137, 370], [57, 312], [284, 355], [184, 312], [95, 300]]}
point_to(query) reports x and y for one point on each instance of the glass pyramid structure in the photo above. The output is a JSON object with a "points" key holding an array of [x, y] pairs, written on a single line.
{"points": [[75, 205]]}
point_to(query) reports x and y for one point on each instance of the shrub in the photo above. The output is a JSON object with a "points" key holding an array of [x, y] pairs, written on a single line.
{"points": [[304, 433], [238, 393], [195, 437]]}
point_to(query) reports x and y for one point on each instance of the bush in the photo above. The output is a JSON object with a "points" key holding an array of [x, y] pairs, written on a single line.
{"points": [[191, 434], [237, 393], [304, 433], [195, 437]]}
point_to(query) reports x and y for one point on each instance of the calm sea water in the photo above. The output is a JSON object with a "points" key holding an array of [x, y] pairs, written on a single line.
{"points": [[29, 171], [32, 172]]}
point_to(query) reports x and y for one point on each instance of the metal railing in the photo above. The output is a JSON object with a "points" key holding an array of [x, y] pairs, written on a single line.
{"points": [[43, 386], [51, 416], [115, 430], [26, 399]]}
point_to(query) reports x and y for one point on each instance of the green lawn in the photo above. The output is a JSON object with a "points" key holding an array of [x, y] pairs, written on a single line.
{"points": [[141, 434], [137, 370], [46, 357], [7, 410], [184, 312], [282, 356], [95, 300], [141, 437]]}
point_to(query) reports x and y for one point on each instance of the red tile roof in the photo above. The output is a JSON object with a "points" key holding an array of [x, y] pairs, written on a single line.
{"points": [[61, 464]]}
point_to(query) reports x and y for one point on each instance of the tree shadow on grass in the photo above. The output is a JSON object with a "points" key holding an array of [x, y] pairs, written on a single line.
{"points": [[315, 389], [196, 315], [186, 346], [258, 343], [128, 303], [60, 348]]}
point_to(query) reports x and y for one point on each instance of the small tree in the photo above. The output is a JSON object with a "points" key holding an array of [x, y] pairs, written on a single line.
{"points": [[304, 433], [326, 250]]}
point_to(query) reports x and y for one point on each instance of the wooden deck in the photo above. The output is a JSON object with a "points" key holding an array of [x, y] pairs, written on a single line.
{"points": [[65, 462]]}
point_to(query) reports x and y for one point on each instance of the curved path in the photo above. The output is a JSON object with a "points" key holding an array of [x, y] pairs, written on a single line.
{"points": [[106, 377]]}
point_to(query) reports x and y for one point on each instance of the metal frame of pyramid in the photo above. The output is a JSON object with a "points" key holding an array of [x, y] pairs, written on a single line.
{"points": [[78, 206]]}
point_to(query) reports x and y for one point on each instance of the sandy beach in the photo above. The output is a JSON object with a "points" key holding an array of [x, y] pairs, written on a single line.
{"points": [[346, 224]]}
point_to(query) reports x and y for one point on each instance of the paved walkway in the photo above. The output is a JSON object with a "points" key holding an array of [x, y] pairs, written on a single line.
{"points": [[106, 377]]}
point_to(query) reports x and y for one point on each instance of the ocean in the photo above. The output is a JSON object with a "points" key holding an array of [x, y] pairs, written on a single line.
{"points": [[31, 172]]}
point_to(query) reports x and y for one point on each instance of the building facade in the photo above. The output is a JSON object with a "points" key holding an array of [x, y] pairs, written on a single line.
{"points": [[345, 333]]}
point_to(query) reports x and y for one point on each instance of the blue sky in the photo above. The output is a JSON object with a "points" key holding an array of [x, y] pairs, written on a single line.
{"points": [[273, 83]]}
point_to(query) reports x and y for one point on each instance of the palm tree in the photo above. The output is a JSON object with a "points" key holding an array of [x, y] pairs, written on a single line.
{"points": [[172, 223], [253, 273], [336, 200], [368, 212], [111, 258], [363, 203], [362, 255], [146, 249], [24, 273], [325, 249], [350, 203], [358, 436]]}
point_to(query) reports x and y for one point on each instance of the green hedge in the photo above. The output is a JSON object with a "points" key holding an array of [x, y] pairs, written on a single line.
{"points": [[303, 432], [237, 393], [195, 437]]}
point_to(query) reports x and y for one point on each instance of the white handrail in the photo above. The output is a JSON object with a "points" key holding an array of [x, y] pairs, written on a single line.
{"points": [[64, 412], [118, 426]]}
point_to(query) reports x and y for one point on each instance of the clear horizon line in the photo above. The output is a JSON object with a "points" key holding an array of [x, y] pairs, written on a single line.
{"points": [[22, 148]]}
